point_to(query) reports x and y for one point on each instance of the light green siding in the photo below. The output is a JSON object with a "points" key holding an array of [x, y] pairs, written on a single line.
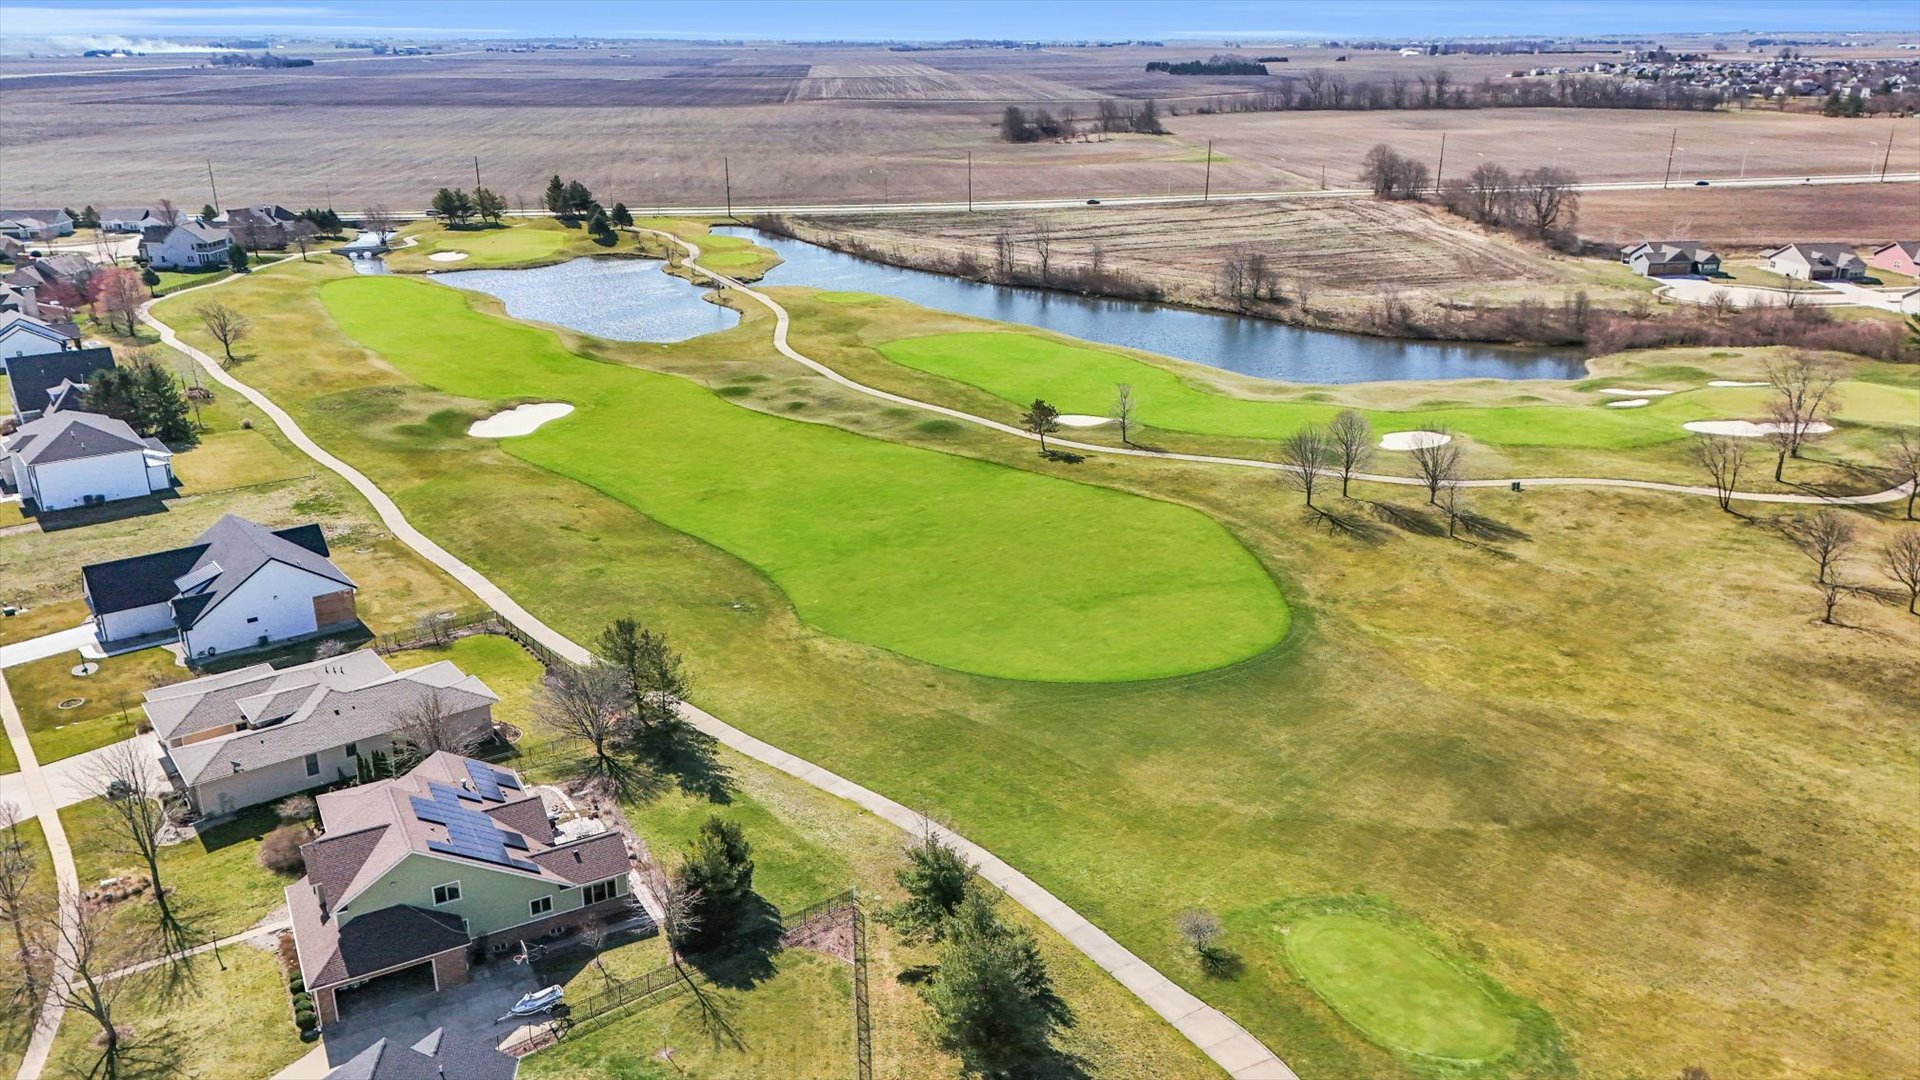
{"points": [[490, 900]]}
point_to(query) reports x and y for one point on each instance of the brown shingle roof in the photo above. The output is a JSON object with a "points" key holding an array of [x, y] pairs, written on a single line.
{"points": [[331, 953], [596, 858]]}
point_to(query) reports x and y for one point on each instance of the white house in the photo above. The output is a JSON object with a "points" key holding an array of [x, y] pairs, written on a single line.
{"points": [[240, 586], [130, 219], [35, 224], [187, 246], [22, 334], [257, 734], [1817, 262], [68, 458]]}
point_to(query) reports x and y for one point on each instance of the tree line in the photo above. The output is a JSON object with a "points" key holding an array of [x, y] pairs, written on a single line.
{"points": [[1319, 89], [1112, 116]]}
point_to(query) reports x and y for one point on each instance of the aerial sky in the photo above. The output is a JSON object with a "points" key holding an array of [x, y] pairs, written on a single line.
{"points": [[1193, 21]]}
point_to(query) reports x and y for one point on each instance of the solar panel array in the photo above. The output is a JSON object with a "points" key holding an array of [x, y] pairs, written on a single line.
{"points": [[470, 833], [487, 782]]}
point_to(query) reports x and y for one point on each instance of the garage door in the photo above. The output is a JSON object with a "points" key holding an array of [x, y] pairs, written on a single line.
{"points": [[384, 990]]}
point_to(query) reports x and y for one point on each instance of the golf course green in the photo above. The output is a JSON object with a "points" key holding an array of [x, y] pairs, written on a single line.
{"points": [[1391, 987], [495, 247], [958, 562], [1019, 367]]}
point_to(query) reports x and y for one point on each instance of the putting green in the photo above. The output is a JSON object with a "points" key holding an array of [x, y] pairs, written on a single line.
{"points": [[1398, 993], [1019, 367], [962, 563], [492, 247]]}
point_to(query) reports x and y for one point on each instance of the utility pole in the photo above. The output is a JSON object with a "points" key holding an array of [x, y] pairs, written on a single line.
{"points": [[476, 172], [1440, 169], [1323, 178], [969, 181], [726, 172], [1888, 160], [1206, 193], [214, 186], [1670, 145]]}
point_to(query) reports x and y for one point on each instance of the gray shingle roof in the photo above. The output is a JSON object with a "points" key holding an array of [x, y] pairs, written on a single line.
{"points": [[442, 1055], [216, 700], [69, 436], [214, 565], [32, 377]]}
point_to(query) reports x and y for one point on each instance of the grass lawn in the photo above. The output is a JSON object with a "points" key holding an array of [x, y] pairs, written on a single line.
{"points": [[236, 458], [737, 257], [16, 1024], [217, 876], [1613, 695], [217, 1023], [1401, 995], [43, 619], [507, 669], [958, 562], [796, 1023], [1019, 367], [111, 699]]}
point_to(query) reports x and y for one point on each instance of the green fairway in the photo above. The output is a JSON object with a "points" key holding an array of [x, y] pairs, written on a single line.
{"points": [[494, 247], [1019, 367], [955, 561], [1392, 988]]}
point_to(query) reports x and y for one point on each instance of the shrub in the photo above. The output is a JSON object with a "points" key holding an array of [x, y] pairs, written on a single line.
{"points": [[302, 1001], [296, 984], [280, 851], [295, 809]]}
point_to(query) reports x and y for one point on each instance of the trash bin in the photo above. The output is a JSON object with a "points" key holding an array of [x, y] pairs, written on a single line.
{"points": [[1516, 485]]}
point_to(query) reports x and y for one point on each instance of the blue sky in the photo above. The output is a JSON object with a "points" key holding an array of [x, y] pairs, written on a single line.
{"points": [[1199, 21]]}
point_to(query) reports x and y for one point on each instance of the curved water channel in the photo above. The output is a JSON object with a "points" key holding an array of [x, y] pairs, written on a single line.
{"points": [[631, 300]]}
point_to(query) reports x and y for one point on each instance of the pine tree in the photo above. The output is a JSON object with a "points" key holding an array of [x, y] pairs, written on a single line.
{"points": [[577, 198], [936, 878], [237, 258], [622, 216], [556, 196], [718, 865], [598, 225], [162, 406], [993, 1003], [208, 213]]}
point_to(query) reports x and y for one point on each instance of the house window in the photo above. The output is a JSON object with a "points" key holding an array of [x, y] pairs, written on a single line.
{"points": [[254, 618], [598, 891], [446, 894], [313, 764], [540, 906], [353, 749]]}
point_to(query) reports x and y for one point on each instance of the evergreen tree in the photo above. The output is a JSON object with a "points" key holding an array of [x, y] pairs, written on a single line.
{"points": [[208, 213], [489, 204], [936, 878], [577, 198], [163, 407], [621, 216], [555, 198], [598, 225], [718, 865], [993, 1003], [453, 205], [150, 279], [89, 217], [237, 258], [73, 215]]}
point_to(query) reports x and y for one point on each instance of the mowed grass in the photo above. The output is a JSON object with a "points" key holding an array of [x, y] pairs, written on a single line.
{"points": [[1019, 367], [958, 562], [509, 245], [109, 698], [215, 878], [1403, 996]]}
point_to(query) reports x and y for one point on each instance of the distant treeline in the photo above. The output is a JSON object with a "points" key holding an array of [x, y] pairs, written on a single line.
{"points": [[264, 60], [1215, 65], [1021, 125], [1319, 89]]}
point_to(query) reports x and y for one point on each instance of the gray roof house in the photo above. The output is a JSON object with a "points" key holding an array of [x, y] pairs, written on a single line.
{"points": [[412, 874], [258, 734], [189, 245], [34, 224], [44, 382], [240, 586], [1816, 262], [441, 1055], [1670, 258], [69, 458]]}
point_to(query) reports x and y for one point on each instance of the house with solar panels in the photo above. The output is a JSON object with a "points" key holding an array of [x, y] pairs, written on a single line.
{"points": [[413, 877], [260, 733]]}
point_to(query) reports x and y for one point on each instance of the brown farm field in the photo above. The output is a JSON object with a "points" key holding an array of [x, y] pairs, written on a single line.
{"points": [[651, 125], [1753, 218]]}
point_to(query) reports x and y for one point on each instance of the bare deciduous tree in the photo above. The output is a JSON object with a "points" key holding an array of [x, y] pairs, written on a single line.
{"points": [[90, 987], [1548, 198], [1436, 460], [378, 219], [1803, 400], [1043, 247], [168, 213], [123, 776], [1453, 503], [679, 908], [1003, 247], [425, 726], [1831, 590], [1306, 454], [1901, 560], [1826, 538], [1123, 408], [21, 909], [1201, 930], [1352, 440], [594, 703], [1723, 458], [224, 325], [1903, 465]]}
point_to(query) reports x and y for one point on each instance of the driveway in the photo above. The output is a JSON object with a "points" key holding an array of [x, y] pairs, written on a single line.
{"points": [[464, 1012], [78, 639], [1691, 290], [71, 779], [1896, 300]]}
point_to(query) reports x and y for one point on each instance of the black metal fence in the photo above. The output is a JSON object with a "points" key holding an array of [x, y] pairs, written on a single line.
{"points": [[441, 630]]}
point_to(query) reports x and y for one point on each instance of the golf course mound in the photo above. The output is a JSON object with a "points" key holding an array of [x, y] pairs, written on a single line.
{"points": [[959, 562], [1397, 992]]}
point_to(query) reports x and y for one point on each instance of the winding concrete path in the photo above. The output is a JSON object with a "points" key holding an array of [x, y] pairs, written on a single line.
{"points": [[780, 342], [41, 802], [1229, 1045]]}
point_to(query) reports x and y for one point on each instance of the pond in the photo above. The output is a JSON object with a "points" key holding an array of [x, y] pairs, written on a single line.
{"points": [[617, 299], [1257, 347]]}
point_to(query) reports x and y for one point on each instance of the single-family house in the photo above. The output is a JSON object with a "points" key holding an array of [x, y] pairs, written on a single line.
{"points": [[35, 224], [257, 227], [412, 875], [20, 298], [239, 586], [70, 458], [131, 219], [1899, 257], [67, 269], [1816, 262], [24, 335], [258, 734], [40, 383], [11, 250], [187, 246], [1670, 258], [441, 1055]]}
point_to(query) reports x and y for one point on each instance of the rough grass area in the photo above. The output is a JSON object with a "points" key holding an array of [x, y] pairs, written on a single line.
{"points": [[16, 1023], [958, 562], [43, 619], [1601, 746], [209, 1022], [111, 696], [216, 877]]}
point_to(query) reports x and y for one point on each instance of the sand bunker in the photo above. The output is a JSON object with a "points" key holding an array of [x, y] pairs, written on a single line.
{"points": [[523, 420], [1618, 392], [1080, 420], [1746, 429], [1730, 382], [1413, 440], [1630, 403], [447, 256]]}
